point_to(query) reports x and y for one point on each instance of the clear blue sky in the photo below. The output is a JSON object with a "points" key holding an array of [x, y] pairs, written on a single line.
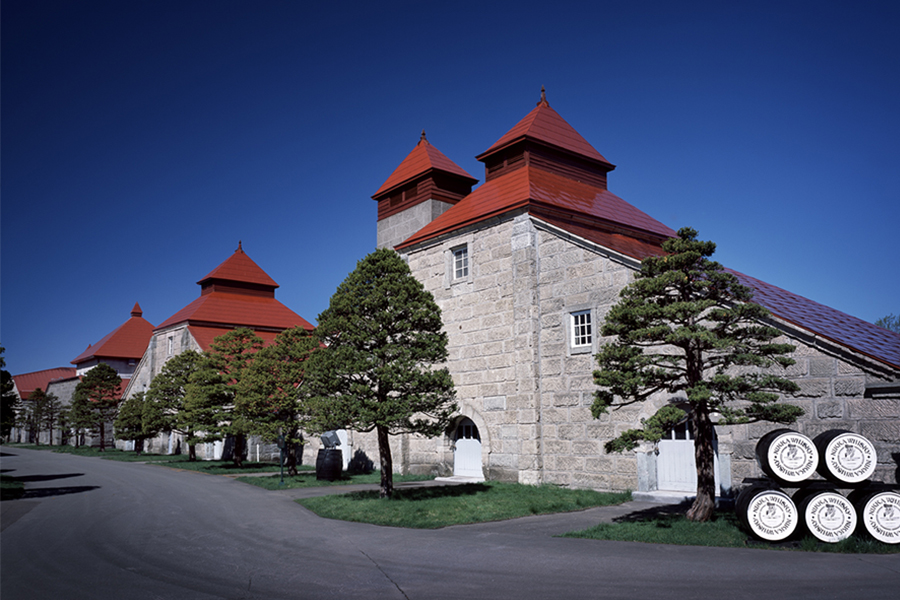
{"points": [[141, 140]]}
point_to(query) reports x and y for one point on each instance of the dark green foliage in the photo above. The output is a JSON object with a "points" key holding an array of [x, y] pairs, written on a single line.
{"points": [[889, 322], [688, 329], [129, 423], [164, 400], [98, 397], [8, 399], [382, 336], [39, 408], [269, 395]]}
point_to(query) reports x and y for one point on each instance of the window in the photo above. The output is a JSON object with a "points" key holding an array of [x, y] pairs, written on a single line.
{"points": [[171, 346], [582, 334], [461, 262]]}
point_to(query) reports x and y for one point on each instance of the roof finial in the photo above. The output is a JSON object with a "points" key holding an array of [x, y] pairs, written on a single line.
{"points": [[422, 139], [239, 249], [543, 97]]}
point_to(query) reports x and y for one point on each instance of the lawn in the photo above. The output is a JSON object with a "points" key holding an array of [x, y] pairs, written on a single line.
{"points": [[11, 488], [440, 506], [306, 478], [667, 525]]}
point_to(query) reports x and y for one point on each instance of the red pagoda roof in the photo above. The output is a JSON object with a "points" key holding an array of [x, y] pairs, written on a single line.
{"points": [[237, 293], [239, 268], [423, 159], [543, 124], [541, 191], [28, 382], [128, 341]]}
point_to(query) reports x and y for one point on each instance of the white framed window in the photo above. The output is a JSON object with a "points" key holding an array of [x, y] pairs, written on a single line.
{"points": [[582, 330], [460, 263], [170, 348]]}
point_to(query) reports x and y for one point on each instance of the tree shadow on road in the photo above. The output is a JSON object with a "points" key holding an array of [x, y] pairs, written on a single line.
{"points": [[57, 491]]}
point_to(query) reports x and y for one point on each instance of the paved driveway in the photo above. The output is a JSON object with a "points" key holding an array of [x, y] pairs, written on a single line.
{"points": [[91, 528]]}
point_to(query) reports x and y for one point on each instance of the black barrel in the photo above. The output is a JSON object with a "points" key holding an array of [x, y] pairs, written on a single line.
{"points": [[845, 457], [787, 456], [329, 463], [825, 513], [879, 513], [766, 512]]}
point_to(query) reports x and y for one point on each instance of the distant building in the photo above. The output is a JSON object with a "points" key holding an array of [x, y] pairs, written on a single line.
{"points": [[524, 269], [24, 385], [237, 293]]}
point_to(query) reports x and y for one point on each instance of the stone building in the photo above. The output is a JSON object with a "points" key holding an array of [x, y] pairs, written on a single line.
{"points": [[237, 293], [524, 269]]}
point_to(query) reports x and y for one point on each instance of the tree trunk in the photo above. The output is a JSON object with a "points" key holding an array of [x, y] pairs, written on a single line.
{"points": [[102, 436], [290, 449], [192, 452], [704, 454], [387, 465], [238, 457]]}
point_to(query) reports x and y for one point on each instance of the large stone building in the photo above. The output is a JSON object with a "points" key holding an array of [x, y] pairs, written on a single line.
{"points": [[524, 269]]}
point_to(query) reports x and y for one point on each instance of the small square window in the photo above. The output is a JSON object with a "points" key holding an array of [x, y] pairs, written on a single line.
{"points": [[461, 262], [582, 331]]}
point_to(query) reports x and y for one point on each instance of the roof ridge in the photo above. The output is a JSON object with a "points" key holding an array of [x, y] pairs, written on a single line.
{"points": [[424, 157]]}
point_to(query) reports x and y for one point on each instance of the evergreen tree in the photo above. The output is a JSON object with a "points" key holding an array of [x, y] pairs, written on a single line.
{"points": [[80, 418], [206, 398], [230, 355], [381, 336], [890, 322], [164, 400], [98, 395], [688, 329], [9, 401], [52, 414], [268, 395], [129, 422], [36, 407]]}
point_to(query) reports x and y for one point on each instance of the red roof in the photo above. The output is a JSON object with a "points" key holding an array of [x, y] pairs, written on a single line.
{"points": [[237, 310], [230, 306], [544, 124], [28, 382], [423, 158], [869, 339], [128, 341], [240, 268], [535, 189]]}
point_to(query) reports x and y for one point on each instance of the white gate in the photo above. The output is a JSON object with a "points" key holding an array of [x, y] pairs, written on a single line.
{"points": [[676, 469], [467, 450]]}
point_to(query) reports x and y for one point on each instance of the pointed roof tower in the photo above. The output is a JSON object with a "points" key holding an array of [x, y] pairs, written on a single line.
{"points": [[543, 166], [237, 293], [426, 175], [126, 342]]}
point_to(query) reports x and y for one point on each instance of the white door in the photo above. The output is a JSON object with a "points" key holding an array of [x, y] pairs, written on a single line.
{"points": [[467, 450], [676, 469]]}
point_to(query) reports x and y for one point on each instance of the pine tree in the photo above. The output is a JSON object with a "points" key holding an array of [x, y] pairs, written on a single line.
{"points": [[268, 395], [98, 396], [129, 422], [164, 401], [688, 329], [382, 337]]}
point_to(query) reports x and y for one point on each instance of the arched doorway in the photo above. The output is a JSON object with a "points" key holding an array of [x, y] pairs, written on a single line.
{"points": [[467, 450], [676, 469]]}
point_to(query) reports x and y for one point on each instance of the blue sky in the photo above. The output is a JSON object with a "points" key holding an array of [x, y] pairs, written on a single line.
{"points": [[142, 140]]}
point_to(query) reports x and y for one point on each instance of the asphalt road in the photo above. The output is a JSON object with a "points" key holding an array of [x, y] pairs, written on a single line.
{"points": [[92, 528]]}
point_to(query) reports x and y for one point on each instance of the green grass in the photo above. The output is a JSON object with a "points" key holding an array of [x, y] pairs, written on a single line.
{"points": [[440, 506], [662, 526], [11, 488], [307, 479]]}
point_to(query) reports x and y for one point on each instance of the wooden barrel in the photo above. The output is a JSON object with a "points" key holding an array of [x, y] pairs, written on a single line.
{"points": [[879, 513], [826, 514], [787, 456], [845, 457], [329, 463], [767, 513]]}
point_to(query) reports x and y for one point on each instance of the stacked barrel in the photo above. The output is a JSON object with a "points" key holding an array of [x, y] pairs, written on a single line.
{"points": [[845, 460]]}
